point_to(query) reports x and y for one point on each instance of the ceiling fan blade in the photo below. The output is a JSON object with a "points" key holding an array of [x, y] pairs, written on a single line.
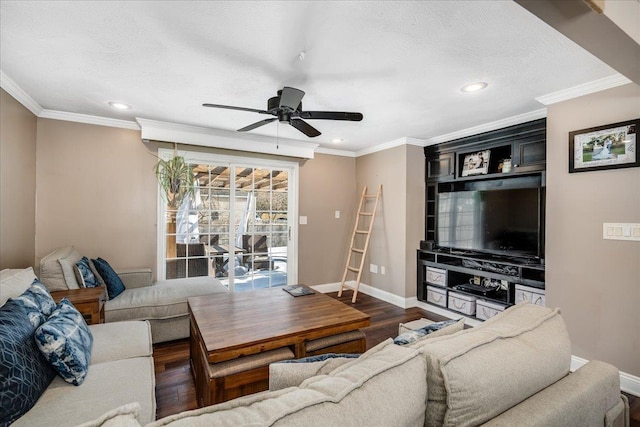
{"points": [[257, 125], [331, 115], [230, 107], [305, 127], [290, 98]]}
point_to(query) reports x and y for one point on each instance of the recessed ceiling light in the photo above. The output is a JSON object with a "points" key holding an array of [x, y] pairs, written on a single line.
{"points": [[337, 140], [473, 87], [119, 106]]}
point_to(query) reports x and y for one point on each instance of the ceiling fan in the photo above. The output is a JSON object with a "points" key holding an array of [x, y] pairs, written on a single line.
{"points": [[287, 108]]}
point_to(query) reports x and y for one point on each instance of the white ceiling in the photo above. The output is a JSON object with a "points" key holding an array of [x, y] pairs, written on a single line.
{"points": [[399, 63]]}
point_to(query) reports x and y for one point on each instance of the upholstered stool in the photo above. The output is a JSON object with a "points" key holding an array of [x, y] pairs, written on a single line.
{"points": [[242, 376], [346, 342], [413, 325]]}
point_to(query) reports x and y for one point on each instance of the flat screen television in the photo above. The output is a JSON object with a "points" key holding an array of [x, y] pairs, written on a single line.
{"points": [[498, 221]]}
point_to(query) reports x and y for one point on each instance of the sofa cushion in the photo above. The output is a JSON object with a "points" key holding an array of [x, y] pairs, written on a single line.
{"points": [[24, 372], [165, 299], [111, 279], [65, 340], [38, 303], [478, 373], [365, 392], [51, 270], [13, 282], [108, 386], [122, 416], [291, 373], [120, 340], [84, 274]]}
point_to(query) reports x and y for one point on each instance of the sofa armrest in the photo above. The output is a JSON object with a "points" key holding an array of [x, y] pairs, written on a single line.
{"points": [[589, 396], [135, 277]]}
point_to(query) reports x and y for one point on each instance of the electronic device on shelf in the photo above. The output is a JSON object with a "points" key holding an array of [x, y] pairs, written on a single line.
{"points": [[477, 289], [508, 270]]}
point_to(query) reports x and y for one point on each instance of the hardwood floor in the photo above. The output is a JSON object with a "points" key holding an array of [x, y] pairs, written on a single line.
{"points": [[175, 390]]}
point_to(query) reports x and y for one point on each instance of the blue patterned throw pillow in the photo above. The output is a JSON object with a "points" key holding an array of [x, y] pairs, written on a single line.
{"points": [[84, 274], [24, 372], [111, 279], [65, 340], [322, 358], [38, 303], [410, 337]]}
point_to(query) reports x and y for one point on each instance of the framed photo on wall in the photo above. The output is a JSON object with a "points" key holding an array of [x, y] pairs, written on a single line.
{"points": [[604, 147], [476, 163]]}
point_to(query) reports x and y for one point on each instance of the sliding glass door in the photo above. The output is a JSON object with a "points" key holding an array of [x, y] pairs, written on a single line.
{"points": [[237, 226]]}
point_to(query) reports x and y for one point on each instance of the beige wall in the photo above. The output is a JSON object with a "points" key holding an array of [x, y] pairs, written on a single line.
{"points": [[96, 191], [388, 240], [399, 225], [415, 215], [327, 184], [17, 183], [595, 282]]}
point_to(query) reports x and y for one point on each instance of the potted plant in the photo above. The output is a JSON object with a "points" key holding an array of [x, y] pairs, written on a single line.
{"points": [[176, 180]]}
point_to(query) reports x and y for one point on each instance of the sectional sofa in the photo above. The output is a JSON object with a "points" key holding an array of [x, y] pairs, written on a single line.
{"points": [[513, 370]]}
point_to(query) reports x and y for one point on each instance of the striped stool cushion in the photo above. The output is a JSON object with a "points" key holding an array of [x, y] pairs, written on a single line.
{"points": [[247, 363], [332, 340]]}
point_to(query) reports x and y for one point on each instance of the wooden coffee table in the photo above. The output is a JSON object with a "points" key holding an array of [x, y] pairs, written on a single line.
{"points": [[230, 325]]}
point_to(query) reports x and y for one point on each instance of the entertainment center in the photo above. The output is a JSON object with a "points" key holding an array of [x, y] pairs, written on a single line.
{"points": [[484, 221]]}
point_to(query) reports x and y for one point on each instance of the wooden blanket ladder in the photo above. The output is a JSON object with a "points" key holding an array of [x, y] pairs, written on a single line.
{"points": [[360, 229]]}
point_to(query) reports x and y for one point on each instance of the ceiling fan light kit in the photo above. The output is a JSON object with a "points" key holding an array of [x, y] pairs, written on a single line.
{"points": [[287, 108]]}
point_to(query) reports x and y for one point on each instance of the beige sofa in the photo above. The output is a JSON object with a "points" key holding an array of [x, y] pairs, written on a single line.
{"points": [[163, 303], [121, 370], [513, 370]]}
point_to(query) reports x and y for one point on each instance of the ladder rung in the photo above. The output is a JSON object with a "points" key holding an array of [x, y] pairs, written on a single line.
{"points": [[366, 213], [345, 286], [370, 196], [362, 231], [360, 251], [355, 270]]}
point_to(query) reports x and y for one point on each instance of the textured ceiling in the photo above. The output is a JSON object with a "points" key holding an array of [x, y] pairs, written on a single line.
{"points": [[399, 63]]}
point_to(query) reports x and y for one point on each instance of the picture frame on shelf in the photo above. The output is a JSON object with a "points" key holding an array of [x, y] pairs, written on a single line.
{"points": [[476, 163], [610, 146]]}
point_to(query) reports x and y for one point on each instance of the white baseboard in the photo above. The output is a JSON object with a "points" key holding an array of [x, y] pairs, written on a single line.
{"points": [[368, 290], [628, 383]]}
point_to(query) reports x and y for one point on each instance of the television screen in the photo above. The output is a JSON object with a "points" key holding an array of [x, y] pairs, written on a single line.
{"points": [[504, 221]]}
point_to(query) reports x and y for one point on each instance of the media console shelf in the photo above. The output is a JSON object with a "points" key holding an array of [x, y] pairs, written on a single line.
{"points": [[512, 158]]}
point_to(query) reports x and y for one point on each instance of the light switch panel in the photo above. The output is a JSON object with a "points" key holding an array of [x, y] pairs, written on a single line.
{"points": [[621, 231], [303, 219]]}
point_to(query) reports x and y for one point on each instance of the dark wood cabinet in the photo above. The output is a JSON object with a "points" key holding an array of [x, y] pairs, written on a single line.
{"points": [[524, 145], [529, 156], [441, 166]]}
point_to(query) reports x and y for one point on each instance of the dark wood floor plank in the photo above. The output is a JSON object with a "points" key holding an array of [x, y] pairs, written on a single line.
{"points": [[175, 389]]}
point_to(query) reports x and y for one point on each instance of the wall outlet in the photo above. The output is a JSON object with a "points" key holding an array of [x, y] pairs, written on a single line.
{"points": [[303, 220], [373, 268], [382, 270], [337, 214]]}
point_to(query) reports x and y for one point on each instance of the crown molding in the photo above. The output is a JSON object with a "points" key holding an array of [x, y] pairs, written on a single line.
{"points": [[391, 144], [583, 89], [208, 137], [20, 95], [498, 124], [91, 120], [334, 152]]}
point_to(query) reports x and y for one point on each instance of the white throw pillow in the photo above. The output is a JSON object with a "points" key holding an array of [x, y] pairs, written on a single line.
{"points": [[13, 282]]}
